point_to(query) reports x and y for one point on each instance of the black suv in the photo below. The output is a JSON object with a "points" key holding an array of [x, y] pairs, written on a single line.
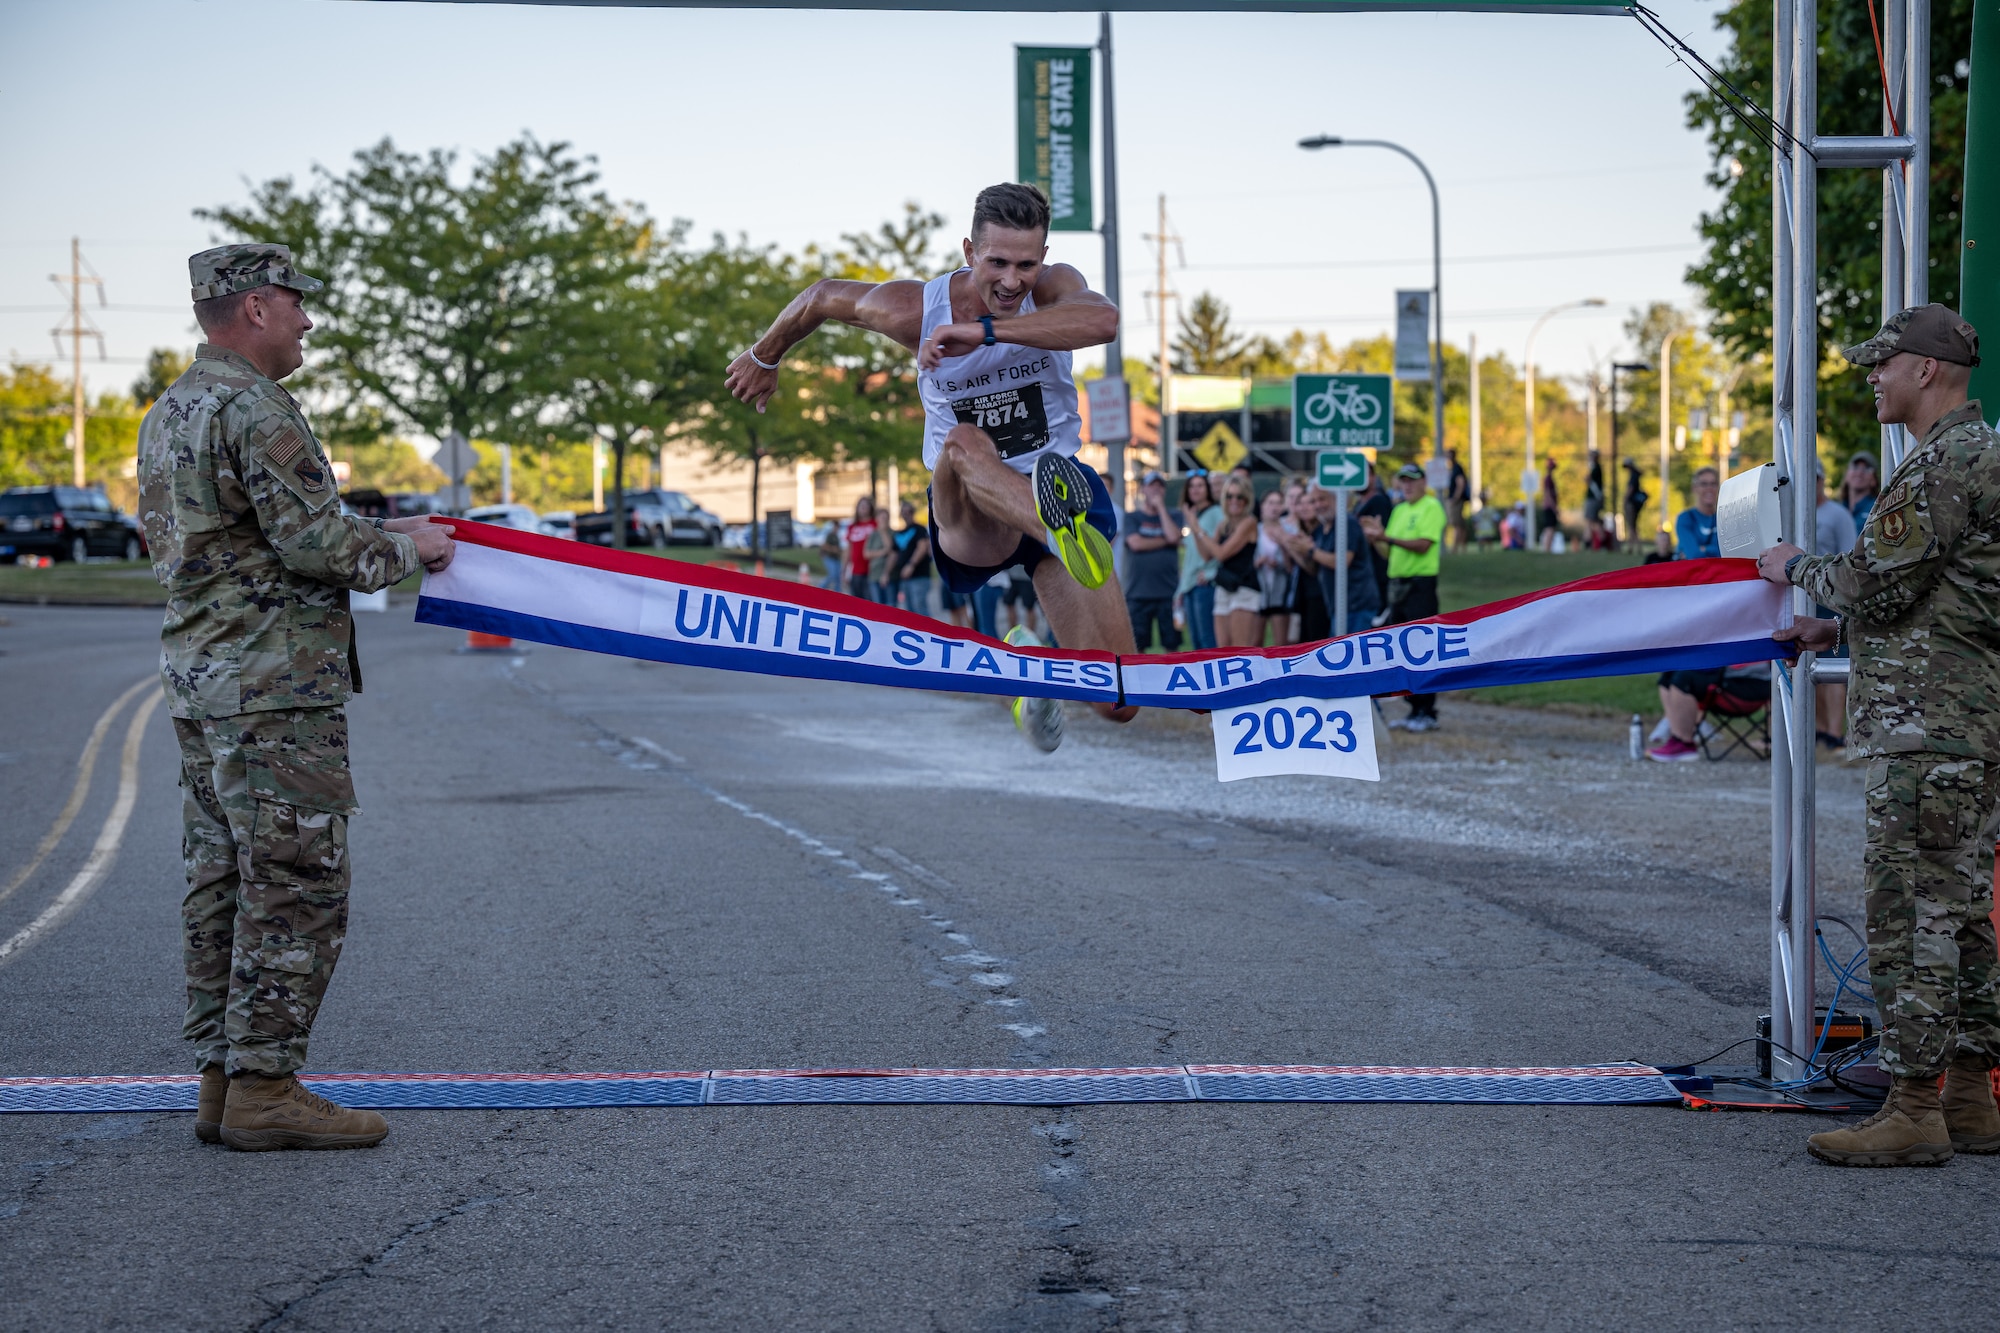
{"points": [[654, 518], [66, 522]]}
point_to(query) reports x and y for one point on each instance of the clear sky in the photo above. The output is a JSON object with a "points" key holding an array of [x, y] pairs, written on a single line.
{"points": [[1558, 143]]}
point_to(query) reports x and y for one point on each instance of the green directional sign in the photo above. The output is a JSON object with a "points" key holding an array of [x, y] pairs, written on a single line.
{"points": [[1341, 412], [1342, 469]]}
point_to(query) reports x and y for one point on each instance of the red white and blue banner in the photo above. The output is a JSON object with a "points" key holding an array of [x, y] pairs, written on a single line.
{"points": [[1682, 615]]}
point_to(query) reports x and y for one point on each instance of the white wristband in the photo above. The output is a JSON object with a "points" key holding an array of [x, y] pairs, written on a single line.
{"points": [[751, 352]]}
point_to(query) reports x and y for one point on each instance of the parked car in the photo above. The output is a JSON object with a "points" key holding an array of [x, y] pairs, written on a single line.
{"points": [[519, 517], [366, 502], [558, 523], [138, 530], [66, 522], [655, 518]]}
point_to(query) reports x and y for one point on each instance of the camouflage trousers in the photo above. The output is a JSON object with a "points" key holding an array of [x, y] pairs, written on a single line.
{"points": [[266, 798], [1928, 872]]}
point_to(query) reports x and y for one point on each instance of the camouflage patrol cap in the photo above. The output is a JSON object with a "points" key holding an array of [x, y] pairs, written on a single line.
{"points": [[1924, 330], [239, 268]]}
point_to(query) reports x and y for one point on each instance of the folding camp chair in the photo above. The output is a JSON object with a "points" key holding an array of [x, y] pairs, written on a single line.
{"points": [[1739, 724]]}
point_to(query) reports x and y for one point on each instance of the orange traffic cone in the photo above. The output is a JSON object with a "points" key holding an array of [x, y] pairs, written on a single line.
{"points": [[475, 642]]}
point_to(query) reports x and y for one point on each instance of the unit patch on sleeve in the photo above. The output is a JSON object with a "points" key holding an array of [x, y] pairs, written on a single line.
{"points": [[295, 463]]}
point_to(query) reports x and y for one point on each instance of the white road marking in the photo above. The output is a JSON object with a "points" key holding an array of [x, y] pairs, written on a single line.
{"points": [[983, 974], [109, 838], [654, 747], [86, 764]]}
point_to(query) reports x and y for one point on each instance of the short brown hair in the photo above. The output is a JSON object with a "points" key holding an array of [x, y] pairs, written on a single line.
{"points": [[219, 312], [1013, 205]]}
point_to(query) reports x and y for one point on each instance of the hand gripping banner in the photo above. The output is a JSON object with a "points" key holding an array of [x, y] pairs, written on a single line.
{"points": [[1682, 615]]}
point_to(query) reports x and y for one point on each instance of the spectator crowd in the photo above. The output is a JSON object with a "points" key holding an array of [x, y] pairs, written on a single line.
{"points": [[1687, 696], [1220, 567], [1215, 566]]}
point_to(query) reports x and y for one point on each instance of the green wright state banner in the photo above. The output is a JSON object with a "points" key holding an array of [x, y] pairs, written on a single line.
{"points": [[1052, 88]]}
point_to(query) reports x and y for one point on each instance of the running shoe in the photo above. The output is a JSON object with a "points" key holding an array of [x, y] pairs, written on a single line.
{"points": [[1062, 502], [1040, 720], [1421, 722], [1674, 750]]}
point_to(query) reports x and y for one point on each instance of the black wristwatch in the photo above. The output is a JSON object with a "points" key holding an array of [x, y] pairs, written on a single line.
{"points": [[1791, 565], [986, 321]]}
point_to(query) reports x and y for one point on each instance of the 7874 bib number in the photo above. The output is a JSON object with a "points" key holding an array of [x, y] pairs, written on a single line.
{"points": [[1015, 418]]}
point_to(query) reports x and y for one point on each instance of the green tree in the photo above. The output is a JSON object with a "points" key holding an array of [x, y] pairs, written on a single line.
{"points": [[450, 305], [34, 435], [163, 366], [389, 466], [1735, 274], [899, 248], [1205, 344]]}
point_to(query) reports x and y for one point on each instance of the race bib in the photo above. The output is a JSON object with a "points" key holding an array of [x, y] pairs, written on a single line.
{"points": [[1014, 418]]}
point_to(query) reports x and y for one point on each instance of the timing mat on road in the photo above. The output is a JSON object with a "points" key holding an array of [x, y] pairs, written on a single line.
{"points": [[1580, 1085]]}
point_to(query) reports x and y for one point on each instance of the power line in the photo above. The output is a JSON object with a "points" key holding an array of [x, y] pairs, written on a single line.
{"points": [[1308, 322], [1514, 178], [1522, 258], [122, 309]]}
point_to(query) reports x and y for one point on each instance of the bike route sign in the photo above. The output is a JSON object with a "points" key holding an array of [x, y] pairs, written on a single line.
{"points": [[1341, 412]]}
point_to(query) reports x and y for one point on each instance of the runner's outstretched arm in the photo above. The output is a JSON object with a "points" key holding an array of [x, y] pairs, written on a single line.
{"points": [[1067, 316], [892, 309]]}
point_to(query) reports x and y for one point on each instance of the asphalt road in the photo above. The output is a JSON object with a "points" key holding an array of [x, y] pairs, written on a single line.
{"points": [[576, 863]]}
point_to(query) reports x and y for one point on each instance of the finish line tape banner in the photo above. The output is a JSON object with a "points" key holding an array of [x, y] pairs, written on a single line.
{"points": [[1683, 615]]}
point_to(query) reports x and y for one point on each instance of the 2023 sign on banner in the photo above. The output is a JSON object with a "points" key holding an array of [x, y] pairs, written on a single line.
{"points": [[1327, 737]]}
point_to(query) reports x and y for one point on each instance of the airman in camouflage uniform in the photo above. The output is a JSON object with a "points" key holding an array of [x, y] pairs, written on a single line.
{"points": [[1919, 600], [248, 538]]}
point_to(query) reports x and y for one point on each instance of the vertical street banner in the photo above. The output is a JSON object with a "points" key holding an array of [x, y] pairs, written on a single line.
{"points": [[1052, 91], [1413, 336]]}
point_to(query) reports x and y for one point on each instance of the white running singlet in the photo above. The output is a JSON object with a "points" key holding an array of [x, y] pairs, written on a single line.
{"points": [[1024, 397]]}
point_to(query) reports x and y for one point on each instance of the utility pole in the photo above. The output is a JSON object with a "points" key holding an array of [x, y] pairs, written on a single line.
{"points": [[1666, 401], [76, 331], [1478, 466], [1160, 239]]}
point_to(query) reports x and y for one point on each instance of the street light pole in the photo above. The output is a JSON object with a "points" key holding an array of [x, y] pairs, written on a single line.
{"points": [[1618, 518], [1437, 273], [1534, 499]]}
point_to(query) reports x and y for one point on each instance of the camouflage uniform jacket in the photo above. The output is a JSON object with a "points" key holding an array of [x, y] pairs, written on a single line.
{"points": [[248, 539], [1921, 595]]}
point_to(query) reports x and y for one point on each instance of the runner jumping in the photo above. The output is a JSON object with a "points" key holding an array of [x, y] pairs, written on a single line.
{"points": [[1001, 430]]}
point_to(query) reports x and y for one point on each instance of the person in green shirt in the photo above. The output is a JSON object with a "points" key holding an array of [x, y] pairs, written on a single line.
{"points": [[1412, 539]]}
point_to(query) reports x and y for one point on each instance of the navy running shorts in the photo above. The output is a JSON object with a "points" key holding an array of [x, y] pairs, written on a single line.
{"points": [[966, 579]]}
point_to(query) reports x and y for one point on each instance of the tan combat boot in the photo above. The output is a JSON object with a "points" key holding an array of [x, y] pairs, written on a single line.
{"points": [[208, 1106], [1969, 1113], [264, 1114], [1908, 1131]]}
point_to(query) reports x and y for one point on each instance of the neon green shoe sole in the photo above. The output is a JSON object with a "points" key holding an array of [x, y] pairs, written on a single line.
{"points": [[1062, 502], [1040, 720]]}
